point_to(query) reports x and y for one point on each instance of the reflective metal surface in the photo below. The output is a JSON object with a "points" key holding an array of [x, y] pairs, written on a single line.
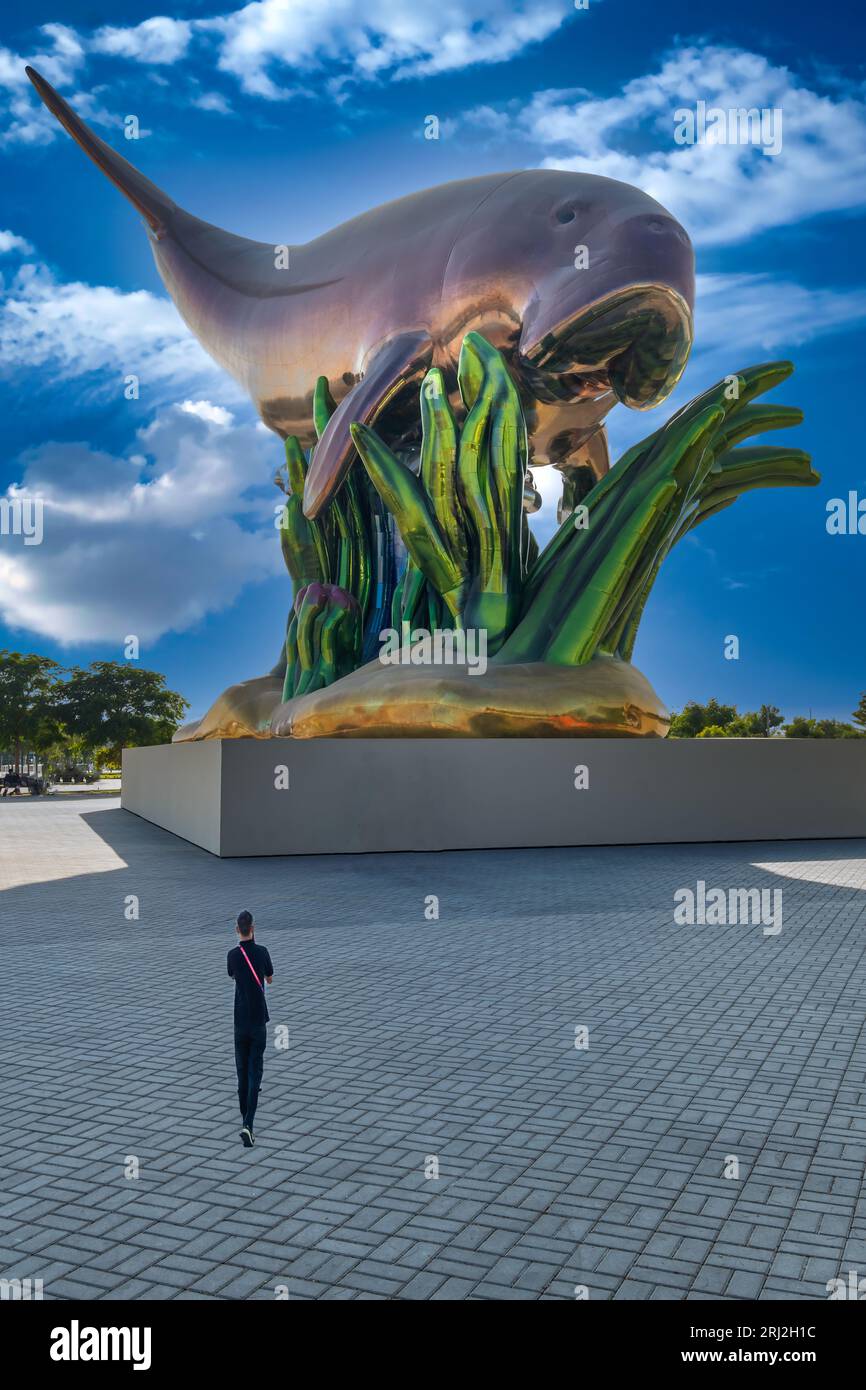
{"points": [[585, 284], [605, 698], [556, 294]]}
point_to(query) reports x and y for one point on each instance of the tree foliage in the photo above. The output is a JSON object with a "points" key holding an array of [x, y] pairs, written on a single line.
{"points": [[28, 686], [801, 727], [694, 718], [107, 706], [115, 705], [714, 720]]}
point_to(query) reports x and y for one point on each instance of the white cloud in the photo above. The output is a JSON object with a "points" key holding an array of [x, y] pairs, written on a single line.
{"points": [[372, 38], [148, 542], [153, 539], [27, 121], [9, 241], [722, 193], [206, 410], [213, 101], [59, 62], [63, 61], [71, 331], [157, 40], [360, 40], [744, 312]]}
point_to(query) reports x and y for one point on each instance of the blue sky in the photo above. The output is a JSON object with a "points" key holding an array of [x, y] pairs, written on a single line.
{"points": [[277, 120]]}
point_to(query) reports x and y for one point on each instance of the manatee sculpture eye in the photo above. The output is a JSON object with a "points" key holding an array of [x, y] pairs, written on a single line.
{"points": [[565, 214]]}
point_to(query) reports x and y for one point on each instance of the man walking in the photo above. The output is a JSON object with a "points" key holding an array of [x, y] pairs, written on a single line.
{"points": [[250, 967]]}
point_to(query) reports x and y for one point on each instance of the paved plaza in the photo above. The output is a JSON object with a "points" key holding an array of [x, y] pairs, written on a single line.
{"points": [[708, 1142]]}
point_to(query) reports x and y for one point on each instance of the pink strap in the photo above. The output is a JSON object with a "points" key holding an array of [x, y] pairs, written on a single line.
{"points": [[250, 964]]}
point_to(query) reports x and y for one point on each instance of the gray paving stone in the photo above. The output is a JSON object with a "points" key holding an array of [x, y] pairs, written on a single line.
{"points": [[422, 1286], [557, 1167], [744, 1285]]}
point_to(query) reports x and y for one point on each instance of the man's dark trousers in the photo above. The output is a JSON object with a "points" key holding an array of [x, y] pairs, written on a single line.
{"points": [[250, 1061]]}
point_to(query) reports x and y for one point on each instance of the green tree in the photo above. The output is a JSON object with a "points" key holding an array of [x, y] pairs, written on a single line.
{"points": [[859, 715], [713, 720], [113, 705], [695, 717], [801, 727], [66, 749], [28, 697], [761, 723]]}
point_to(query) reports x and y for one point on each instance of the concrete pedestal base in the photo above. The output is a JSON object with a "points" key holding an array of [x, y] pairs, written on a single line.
{"points": [[361, 795]]}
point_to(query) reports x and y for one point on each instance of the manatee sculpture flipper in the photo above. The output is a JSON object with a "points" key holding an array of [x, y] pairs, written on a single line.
{"points": [[397, 365]]}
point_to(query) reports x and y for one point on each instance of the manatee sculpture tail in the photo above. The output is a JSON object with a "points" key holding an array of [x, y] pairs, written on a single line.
{"points": [[155, 206], [194, 258], [213, 275]]}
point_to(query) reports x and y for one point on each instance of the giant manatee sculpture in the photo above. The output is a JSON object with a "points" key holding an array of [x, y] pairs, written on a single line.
{"points": [[586, 285], [524, 306]]}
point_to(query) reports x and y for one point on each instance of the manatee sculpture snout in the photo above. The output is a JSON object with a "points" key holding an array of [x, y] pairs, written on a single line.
{"points": [[586, 284]]}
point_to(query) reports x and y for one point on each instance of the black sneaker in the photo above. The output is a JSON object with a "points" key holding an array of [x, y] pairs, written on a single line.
{"points": [[247, 1137]]}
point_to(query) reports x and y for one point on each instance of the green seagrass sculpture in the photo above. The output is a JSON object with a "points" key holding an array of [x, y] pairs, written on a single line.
{"points": [[559, 626]]}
